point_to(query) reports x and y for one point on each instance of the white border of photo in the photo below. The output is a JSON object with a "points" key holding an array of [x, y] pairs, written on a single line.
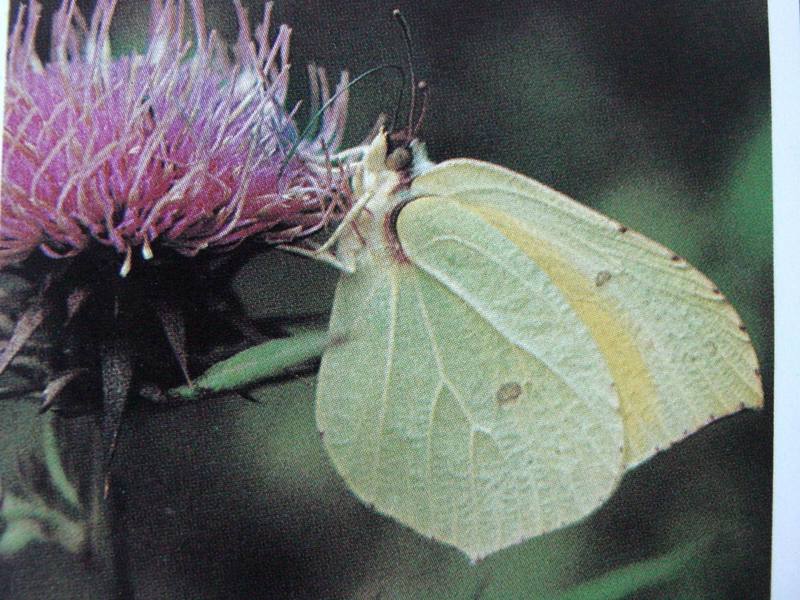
{"points": [[784, 37]]}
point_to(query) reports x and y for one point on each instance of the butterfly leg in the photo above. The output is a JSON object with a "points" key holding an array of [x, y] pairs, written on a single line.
{"points": [[327, 258], [323, 253], [345, 156]]}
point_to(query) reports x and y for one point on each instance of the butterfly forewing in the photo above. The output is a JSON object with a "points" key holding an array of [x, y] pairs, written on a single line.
{"points": [[677, 350]]}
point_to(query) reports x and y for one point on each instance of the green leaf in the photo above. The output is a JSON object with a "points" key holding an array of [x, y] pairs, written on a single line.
{"points": [[744, 271], [270, 359], [55, 469], [28, 521], [627, 580], [750, 195], [18, 535], [18, 509]]}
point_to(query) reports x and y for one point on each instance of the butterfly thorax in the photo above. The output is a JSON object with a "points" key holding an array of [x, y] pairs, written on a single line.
{"points": [[381, 188]]}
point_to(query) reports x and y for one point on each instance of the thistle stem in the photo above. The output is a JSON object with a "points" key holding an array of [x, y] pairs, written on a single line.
{"points": [[109, 532], [118, 531]]}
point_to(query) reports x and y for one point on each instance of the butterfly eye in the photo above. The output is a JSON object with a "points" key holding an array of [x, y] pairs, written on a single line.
{"points": [[399, 159]]}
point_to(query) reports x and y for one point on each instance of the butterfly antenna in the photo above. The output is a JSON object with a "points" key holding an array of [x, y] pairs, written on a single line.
{"points": [[316, 116], [410, 58], [424, 90], [398, 104]]}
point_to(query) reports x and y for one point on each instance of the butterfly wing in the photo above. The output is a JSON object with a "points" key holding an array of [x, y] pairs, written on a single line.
{"points": [[463, 396], [678, 352]]}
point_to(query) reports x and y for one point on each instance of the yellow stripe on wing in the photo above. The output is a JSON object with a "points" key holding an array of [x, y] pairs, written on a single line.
{"points": [[639, 402]]}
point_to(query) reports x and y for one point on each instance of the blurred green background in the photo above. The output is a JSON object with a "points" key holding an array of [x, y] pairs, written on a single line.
{"points": [[655, 113]]}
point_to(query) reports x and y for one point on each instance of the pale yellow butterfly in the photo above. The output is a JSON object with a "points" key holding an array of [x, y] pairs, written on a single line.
{"points": [[502, 354]]}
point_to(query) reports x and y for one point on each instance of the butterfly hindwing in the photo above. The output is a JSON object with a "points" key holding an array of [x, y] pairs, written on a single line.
{"points": [[480, 415]]}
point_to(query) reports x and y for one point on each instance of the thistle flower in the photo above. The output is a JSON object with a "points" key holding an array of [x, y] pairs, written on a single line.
{"points": [[132, 166], [179, 148]]}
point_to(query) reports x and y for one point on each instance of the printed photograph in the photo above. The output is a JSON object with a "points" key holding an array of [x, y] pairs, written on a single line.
{"points": [[386, 300]]}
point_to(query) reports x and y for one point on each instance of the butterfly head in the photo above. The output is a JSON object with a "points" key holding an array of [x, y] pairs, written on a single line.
{"points": [[391, 158], [399, 159]]}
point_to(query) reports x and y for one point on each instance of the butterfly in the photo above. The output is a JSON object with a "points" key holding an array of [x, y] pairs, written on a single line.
{"points": [[501, 355]]}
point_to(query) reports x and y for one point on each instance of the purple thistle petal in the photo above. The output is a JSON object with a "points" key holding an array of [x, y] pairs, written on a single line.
{"points": [[180, 147]]}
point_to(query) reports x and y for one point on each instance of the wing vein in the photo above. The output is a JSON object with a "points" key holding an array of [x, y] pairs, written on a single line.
{"points": [[462, 293], [568, 233], [429, 452], [390, 350], [437, 356], [445, 381], [359, 319]]}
